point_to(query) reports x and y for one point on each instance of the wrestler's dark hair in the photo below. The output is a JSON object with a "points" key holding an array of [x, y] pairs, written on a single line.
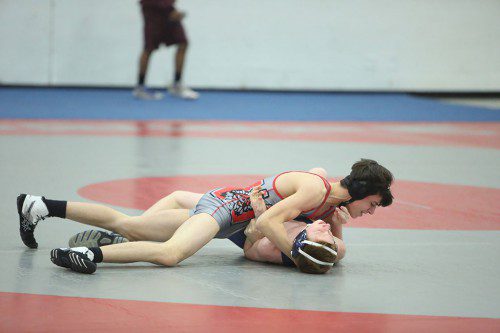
{"points": [[307, 266], [367, 178]]}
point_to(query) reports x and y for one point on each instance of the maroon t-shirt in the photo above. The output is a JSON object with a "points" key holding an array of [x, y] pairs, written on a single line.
{"points": [[159, 4], [157, 28]]}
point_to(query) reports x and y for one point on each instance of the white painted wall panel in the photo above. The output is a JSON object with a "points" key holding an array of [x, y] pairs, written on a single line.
{"points": [[25, 42], [379, 45]]}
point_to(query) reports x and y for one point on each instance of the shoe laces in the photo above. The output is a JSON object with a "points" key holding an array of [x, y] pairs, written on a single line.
{"points": [[25, 223]]}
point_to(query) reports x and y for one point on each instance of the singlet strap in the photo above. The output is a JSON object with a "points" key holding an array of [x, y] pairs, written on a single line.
{"points": [[327, 213], [328, 190]]}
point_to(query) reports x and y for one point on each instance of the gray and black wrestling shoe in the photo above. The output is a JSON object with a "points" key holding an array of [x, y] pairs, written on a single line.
{"points": [[96, 238], [77, 259]]}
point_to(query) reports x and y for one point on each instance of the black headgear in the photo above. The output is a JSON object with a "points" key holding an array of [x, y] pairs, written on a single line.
{"points": [[367, 177], [358, 189]]}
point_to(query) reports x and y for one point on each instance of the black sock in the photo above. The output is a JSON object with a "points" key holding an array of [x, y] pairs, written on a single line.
{"points": [[97, 254], [178, 76], [56, 208], [142, 78]]}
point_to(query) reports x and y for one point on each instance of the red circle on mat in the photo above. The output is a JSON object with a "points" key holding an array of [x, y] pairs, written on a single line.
{"points": [[424, 206]]}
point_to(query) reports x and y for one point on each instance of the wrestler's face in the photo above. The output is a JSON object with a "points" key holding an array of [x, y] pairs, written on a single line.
{"points": [[319, 231], [364, 206]]}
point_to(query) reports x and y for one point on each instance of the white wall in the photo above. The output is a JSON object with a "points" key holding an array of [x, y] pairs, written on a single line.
{"points": [[379, 45]]}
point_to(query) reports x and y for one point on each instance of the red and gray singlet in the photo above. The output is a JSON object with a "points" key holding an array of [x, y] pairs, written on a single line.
{"points": [[231, 208]]}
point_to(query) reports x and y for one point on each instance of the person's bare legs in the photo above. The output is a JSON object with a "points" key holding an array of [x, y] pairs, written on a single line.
{"points": [[180, 55], [175, 200], [140, 90], [178, 89], [94, 214], [144, 61], [191, 236], [154, 227], [107, 218]]}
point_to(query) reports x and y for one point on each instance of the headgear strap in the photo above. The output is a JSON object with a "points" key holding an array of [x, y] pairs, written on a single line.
{"points": [[301, 240]]}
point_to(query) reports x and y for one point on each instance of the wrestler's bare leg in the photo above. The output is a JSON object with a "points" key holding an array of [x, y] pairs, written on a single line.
{"points": [[175, 200], [186, 241], [159, 226], [160, 214]]}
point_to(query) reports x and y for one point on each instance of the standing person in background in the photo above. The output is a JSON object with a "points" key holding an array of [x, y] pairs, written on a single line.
{"points": [[163, 24]]}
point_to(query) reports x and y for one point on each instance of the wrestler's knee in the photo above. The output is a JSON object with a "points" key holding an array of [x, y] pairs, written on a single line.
{"points": [[128, 228], [185, 200], [178, 197], [168, 256]]}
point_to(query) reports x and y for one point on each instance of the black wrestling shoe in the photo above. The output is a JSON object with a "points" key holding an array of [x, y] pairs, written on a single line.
{"points": [[30, 209], [96, 238], [77, 261]]}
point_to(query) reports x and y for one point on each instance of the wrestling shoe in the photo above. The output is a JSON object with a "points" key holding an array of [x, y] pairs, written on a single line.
{"points": [[144, 94], [96, 238], [179, 90], [77, 259], [31, 209]]}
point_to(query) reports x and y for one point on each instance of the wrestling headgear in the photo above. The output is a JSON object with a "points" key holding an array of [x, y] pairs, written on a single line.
{"points": [[301, 240]]}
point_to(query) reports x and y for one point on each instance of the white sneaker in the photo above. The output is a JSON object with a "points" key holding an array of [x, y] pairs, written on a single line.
{"points": [[31, 209], [183, 92], [144, 94]]}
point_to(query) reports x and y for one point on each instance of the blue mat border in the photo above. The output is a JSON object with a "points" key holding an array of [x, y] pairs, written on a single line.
{"points": [[118, 104]]}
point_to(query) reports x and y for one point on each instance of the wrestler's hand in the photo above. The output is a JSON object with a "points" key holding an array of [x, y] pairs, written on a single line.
{"points": [[257, 202], [252, 233], [176, 16], [341, 215]]}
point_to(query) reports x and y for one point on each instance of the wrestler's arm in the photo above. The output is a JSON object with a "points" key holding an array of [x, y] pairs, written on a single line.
{"points": [[337, 219], [336, 228], [262, 250], [271, 223], [258, 207], [252, 233], [265, 251], [257, 247]]}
